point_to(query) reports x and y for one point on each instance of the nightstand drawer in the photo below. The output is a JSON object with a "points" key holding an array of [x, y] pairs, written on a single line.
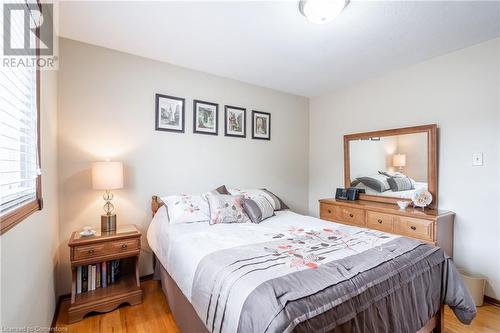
{"points": [[380, 221], [416, 228], [89, 251], [124, 245]]}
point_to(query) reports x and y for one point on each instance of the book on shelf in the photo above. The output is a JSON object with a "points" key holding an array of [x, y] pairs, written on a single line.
{"points": [[103, 273], [108, 277], [93, 276], [85, 277], [98, 275], [79, 279], [89, 280]]}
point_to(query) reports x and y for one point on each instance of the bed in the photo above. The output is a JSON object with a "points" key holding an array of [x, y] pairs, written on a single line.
{"points": [[302, 274]]}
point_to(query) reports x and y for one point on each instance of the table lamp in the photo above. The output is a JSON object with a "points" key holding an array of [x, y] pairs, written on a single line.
{"points": [[107, 176], [399, 161]]}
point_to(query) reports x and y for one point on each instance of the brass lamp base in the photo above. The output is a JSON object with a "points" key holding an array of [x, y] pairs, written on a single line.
{"points": [[108, 222]]}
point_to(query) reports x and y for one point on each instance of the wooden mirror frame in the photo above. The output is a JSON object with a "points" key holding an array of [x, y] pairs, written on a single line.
{"points": [[432, 160]]}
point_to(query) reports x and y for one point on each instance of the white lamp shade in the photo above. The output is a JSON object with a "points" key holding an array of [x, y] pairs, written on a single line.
{"points": [[399, 160], [107, 175]]}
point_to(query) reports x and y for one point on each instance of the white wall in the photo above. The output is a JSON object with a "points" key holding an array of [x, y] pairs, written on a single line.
{"points": [[29, 250], [106, 109], [415, 147], [459, 92], [367, 157]]}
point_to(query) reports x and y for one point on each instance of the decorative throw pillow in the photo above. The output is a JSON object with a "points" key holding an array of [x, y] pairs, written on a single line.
{"points": [[400, 184], [222, 190], [226, 209], [276, 202], [258, 208], [186, 208], [376, 182]]}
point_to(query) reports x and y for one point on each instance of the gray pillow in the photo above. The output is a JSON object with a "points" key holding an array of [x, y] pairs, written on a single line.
{"points": [[222, 190], [279, 204], [258, 208], [398, 184], [378, 183]]}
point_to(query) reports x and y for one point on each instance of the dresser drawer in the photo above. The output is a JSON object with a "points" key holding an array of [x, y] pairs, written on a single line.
{"points": [[89, 251], [352, 216], [416, 228], [330, 212], [380, 221]]}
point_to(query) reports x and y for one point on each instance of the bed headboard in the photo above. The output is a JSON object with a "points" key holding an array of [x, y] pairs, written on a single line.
{"points": [[156, 203]]}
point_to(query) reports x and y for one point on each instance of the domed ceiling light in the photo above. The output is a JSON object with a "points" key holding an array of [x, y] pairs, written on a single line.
{"points": [[321, 11]]}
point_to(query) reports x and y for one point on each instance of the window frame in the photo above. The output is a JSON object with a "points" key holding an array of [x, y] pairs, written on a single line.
{"points": [[25, 209]]}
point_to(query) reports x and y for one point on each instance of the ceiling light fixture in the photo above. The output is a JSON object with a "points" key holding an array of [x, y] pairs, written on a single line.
{"points": [[321, 11]]}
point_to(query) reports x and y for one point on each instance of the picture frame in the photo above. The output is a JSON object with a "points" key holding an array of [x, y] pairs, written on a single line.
{"points": [[205, 117], [169, 113], [261, 125], [235, 121]]}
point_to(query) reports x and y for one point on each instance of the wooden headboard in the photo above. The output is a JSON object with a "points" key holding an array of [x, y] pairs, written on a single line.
{"points": [[156, 203]]}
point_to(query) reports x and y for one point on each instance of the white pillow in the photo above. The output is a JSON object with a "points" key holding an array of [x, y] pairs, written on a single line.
{"points": [[187, 208]]}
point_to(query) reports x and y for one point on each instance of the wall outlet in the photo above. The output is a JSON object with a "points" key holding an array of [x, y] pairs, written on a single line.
{"points": [[477, 159]]}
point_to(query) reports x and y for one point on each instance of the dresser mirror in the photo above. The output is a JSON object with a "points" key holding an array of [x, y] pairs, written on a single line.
{"points": [[391, 165]]}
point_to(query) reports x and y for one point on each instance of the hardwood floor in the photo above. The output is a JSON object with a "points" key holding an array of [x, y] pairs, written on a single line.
{"points": [[153, 315]]}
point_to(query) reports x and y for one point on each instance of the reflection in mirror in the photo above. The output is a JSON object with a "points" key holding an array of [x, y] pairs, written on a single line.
{"points": [[391, 166]]}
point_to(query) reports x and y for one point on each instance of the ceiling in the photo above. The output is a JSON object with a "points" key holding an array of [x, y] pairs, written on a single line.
{"points": [[270, 44]]}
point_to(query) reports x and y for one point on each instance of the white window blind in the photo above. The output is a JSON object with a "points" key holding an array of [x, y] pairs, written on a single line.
{"points": [[18, 131]]}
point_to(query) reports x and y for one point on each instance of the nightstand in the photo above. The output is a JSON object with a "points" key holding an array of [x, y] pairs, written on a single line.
{"points": [[104, 249]]}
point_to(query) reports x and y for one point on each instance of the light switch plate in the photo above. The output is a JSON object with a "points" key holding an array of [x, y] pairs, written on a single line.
{"points": [[477, 159]]}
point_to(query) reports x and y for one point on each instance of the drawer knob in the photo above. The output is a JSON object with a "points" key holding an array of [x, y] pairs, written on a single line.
{"points": [[124, 246], [413, 227], [351, 215], [91, 251], [329, 211], [379, 221]]}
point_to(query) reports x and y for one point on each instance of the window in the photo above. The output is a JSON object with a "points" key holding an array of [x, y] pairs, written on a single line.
{"points": [[20, 180]]}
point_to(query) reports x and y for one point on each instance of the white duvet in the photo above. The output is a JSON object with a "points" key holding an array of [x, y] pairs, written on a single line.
{"points": [[181, 247]]}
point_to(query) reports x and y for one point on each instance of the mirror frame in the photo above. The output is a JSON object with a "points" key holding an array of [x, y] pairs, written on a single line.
{"points": [[432, 160]]}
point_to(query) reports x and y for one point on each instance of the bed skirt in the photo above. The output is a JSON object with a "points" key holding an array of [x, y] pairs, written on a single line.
{"points": [[184, 314]]}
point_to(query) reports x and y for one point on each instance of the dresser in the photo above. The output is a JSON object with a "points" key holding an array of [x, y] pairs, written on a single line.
{"points": [[431, 226]]}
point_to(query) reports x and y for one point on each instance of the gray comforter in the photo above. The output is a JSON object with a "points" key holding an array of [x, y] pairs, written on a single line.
{"points": [[393, 287]]}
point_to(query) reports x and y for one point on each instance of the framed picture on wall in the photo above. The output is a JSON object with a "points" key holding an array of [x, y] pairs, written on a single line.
{"points": [[169, 113], [205, 117], [261, 125], [235, 121]]}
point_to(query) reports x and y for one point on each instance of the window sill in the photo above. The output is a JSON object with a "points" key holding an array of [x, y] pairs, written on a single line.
{"points": [[10, 219]]}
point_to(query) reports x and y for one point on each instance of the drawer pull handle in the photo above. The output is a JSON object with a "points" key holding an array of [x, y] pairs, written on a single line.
{"points": [[379, 221], [351, 215], [329, 211], [91, 251], [124, 246], [413, 227]]}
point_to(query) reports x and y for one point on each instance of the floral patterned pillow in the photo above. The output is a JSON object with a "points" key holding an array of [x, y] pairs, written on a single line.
{"points": [[187, 208], [226, 209]]}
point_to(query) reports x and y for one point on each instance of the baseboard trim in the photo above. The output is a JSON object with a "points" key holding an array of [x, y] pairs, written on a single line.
{"points": [[146, 277], [491, 300], [66, 297]]}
